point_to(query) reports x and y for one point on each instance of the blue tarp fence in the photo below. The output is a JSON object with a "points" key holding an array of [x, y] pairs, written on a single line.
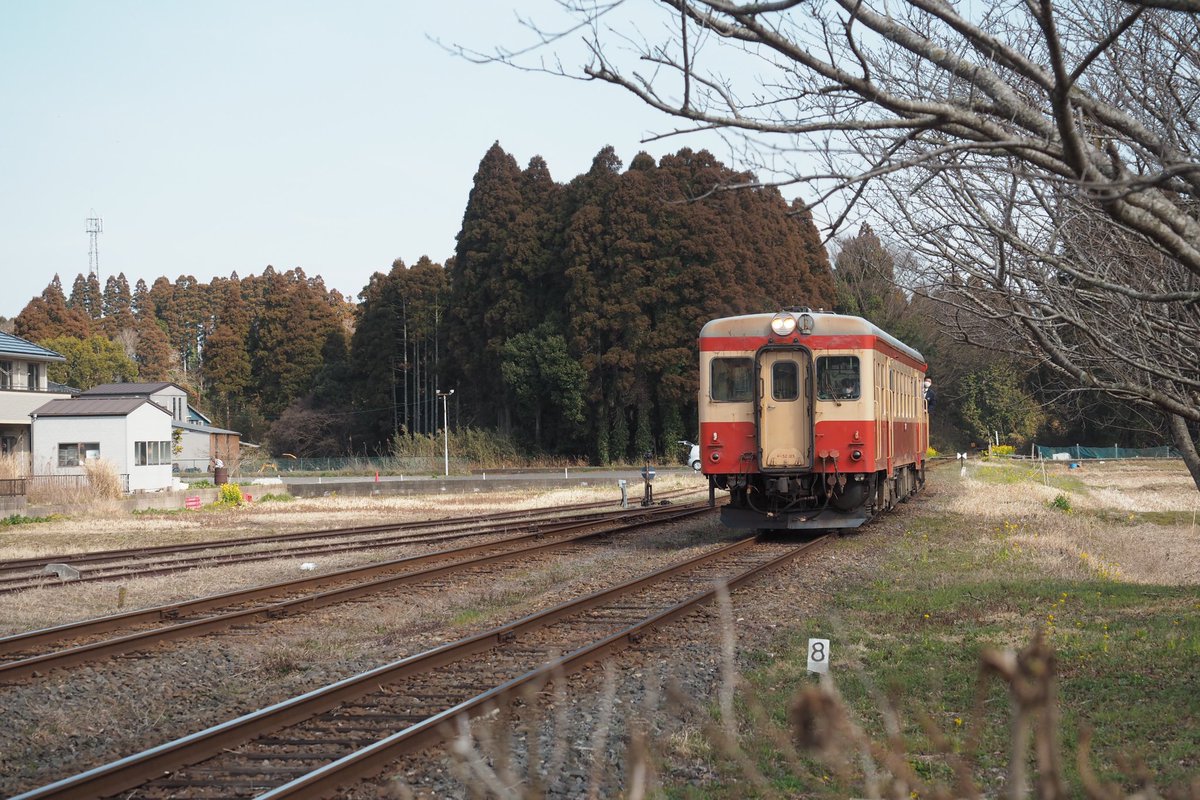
{"points": [[1082, 451]]}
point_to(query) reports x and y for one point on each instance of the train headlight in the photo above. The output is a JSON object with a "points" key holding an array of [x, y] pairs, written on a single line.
{"points": [[807, 323], [856, 455], [783, 324]]}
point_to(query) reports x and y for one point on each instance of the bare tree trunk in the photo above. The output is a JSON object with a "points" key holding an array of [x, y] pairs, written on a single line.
{"points": [[1182, 438]]}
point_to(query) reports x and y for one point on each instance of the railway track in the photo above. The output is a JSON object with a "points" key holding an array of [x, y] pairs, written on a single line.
{"points": [[22, 574], [311, 745], [33, 653]]}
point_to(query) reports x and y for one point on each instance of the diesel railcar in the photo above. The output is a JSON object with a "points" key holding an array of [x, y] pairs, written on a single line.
{"points": [[809, 420]]}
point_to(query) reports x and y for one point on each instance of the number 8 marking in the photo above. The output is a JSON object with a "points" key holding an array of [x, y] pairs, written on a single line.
{"points": [[818, 651]]}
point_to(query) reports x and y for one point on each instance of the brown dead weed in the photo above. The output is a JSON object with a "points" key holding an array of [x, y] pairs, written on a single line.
{"points": [[1100, 532]]}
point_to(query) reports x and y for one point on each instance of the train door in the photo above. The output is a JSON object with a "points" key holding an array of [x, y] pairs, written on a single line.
{"points": [[784, 409]]}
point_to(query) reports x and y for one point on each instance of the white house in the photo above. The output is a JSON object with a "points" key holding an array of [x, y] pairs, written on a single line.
{"points": [[23, 387], [131, 432], [198, 441]]}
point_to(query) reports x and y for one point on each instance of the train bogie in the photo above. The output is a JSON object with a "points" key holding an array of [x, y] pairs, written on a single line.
{"points": [[809, 420]]}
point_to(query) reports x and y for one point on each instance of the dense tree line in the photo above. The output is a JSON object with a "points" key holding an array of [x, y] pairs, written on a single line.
{"points": [[244, 349], [588, 296], [566, 319]]}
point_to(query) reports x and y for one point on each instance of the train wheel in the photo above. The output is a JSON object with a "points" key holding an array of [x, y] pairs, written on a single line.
{"points": [[907, 484], [884, 494]]}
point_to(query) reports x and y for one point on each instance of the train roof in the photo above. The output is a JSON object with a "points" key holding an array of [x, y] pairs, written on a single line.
{"points": [[824, 324]]}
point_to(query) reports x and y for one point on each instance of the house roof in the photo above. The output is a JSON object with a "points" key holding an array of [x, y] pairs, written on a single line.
{"points": [[93, 407], [16, 346], [137, 389], [197, 427]]}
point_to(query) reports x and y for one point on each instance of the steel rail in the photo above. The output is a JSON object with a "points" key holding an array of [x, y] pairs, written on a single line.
{"points": [[324, 780], [38, 664], [139, 768], [84, 557], [136, 570]]}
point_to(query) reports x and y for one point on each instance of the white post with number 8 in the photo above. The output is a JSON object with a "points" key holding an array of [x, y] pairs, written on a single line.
{"points": [[818, 655]]}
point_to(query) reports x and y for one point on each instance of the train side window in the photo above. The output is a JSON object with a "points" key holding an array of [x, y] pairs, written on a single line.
{"points": [[732, 380], [785, 380], [838, 378]]}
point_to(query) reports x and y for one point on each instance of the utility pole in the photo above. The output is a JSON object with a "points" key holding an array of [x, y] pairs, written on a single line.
{"points": [[445, 427]]}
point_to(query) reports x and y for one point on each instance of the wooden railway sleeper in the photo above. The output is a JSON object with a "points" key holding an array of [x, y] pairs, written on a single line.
{"points": [[269, 741]]}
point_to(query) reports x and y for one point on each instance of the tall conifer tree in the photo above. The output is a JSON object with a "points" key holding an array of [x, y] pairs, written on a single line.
{"points": [[486, 296]]}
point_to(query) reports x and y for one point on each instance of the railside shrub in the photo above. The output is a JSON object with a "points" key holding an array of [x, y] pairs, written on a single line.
{"points": [[484, 449], [103, 477], [230, 494], [21, 519], [12, 467]]}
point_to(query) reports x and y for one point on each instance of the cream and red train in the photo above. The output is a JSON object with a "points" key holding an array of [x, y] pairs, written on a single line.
{"points": [[809, 420]]}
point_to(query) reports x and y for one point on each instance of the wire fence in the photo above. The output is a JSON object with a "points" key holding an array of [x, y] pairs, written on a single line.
{"points": [[1080, 452], [352, 465], [55, 488]]}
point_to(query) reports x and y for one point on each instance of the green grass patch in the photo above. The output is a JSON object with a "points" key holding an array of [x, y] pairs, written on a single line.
{"points": [[156, 512], [998, 472], [1136, 518], [276, 498], [1128, 661], [467, 616], [21, 519]]}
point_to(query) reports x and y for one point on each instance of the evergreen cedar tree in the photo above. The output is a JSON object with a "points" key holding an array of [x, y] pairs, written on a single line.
{"points": [[567, 316], [627, 266]]}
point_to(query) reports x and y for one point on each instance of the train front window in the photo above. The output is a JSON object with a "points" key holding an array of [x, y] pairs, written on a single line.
{"points": [[732, 380], [785, 380], [838, 378]]}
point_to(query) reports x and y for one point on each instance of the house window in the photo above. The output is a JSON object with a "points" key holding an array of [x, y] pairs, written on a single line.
{"points": [[151, 454], [6, 375], [31, 377], [72, 455]]}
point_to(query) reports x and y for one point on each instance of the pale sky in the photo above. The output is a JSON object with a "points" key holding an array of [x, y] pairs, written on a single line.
{"points": [[221, 135]]}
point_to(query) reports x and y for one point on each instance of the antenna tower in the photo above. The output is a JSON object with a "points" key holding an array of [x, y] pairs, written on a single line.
{"points": [[95, 226]]}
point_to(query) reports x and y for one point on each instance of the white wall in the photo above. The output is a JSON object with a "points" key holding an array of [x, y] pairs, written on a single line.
{"points": [[147, 424], [116, 437], [49, 432], [197, 450], [174, 400], [15, 405]]}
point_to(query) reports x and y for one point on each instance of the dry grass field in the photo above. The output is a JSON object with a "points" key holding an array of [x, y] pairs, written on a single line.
{"points": [[1128, 520], [103, 527]]}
